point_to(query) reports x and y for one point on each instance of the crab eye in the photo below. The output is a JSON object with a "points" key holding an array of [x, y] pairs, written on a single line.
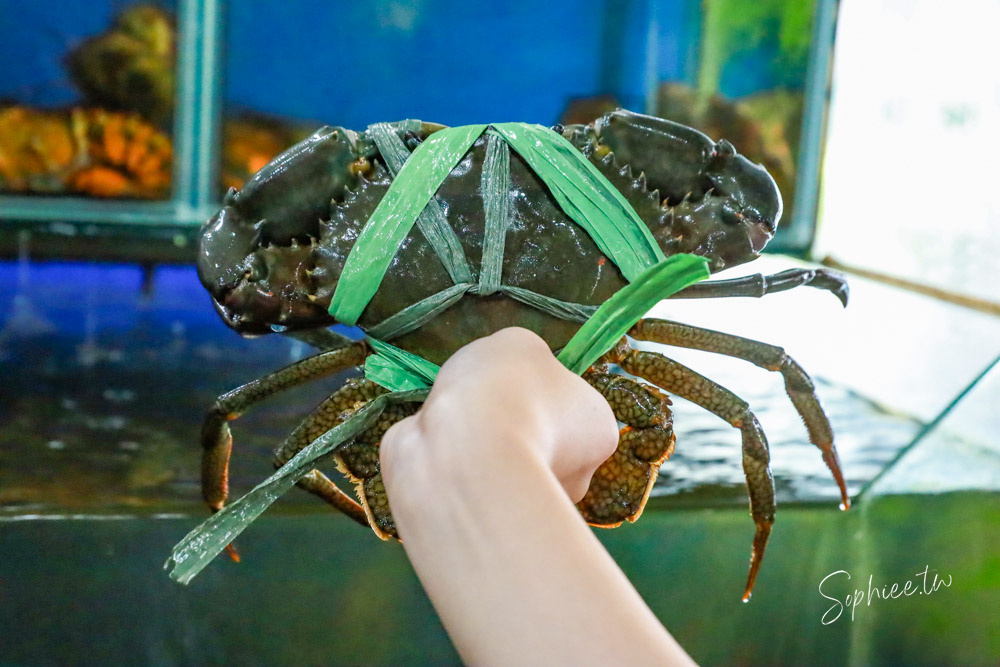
{"points": [[724, 149]]}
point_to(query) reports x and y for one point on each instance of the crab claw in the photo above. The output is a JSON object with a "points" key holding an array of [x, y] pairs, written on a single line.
{"points": [[293, 191], [256, 254], [751, 194], [226, 240], [716, 202]]}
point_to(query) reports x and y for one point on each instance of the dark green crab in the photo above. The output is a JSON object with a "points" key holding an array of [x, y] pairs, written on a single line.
{"points": [[272, 258]]}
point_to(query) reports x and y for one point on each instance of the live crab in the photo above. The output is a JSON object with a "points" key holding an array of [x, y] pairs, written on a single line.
{"points": [[272, 258]]}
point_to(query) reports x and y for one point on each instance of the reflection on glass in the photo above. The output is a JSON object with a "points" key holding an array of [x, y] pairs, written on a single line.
{"points": [[87, 98]]}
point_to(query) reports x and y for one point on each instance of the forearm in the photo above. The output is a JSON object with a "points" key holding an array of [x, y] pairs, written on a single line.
{"points": [[514, 572]]}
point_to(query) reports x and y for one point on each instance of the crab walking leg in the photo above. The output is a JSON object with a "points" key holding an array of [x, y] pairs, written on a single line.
{"points": [[798, 385], [620, 487], [328, 414], [682, 381], [359, 460], [320, 485], [216, 438], [759, 285]]}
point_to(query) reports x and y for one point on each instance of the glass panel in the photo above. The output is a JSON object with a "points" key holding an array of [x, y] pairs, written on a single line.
{"points": [[745, 81], [353, 64], [735, 70], [87, 98]]}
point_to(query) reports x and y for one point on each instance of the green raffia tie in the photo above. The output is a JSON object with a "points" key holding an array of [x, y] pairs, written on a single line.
{"points": [[394, 217], [400, 370], [579, 188]]}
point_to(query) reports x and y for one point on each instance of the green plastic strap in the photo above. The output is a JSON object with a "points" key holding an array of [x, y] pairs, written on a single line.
{"points": [[411, 125], [417, 314], [389, 145], [432, 222], [496, 204], [399, 370], [586, 196], [383, 371], [408, 371], [564, 310], [201, 545], [583, 193], [619, 313], [420, 313], [395, 216]]}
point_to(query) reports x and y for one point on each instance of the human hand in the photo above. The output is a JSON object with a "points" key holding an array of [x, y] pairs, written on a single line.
{"points": [[509, 391], [482, 482]]}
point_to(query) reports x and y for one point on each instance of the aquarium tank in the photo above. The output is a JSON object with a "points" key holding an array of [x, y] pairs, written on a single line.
{"points": [[124, 125]]}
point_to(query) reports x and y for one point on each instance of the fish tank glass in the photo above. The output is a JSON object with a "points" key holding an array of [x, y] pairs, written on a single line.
{"points": [[144, 114], [735, 70], [87, 99]]}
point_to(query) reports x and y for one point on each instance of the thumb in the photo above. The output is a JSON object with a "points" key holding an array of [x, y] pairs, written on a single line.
{"points": [[588, 437]]}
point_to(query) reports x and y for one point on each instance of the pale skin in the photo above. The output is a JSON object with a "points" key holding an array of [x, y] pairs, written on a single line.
{"points": [[482, 483]]}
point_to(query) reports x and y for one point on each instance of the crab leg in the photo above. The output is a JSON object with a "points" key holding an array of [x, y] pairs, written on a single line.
{"points": [[216, 438], [759, 285], [686, 383], [359, 460], [331, 412], [621, 485], [798, 386], [320, 486]]}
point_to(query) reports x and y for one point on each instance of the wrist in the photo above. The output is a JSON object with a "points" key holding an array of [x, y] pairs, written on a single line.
{"points": [[491, 533]]}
